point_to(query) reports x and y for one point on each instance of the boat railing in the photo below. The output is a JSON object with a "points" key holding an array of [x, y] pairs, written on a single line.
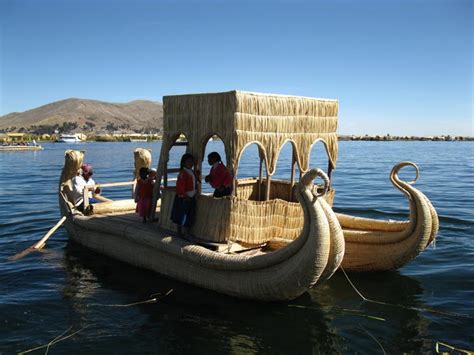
{"points": [[109, 184]]}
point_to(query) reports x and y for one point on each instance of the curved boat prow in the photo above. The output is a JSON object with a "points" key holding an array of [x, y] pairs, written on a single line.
{"points": [[320, 216], [375, 245]]}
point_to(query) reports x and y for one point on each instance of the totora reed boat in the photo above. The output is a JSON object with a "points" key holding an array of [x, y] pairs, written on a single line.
{"points": [[274, 239]]}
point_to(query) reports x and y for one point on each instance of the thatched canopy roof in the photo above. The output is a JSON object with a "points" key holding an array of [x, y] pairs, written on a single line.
{"points": [[240, 118]]}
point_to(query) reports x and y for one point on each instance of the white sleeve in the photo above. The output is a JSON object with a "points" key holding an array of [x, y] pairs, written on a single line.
{"points": [[77, 189]]}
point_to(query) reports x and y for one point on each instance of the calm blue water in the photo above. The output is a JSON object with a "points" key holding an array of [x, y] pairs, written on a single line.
{"points": [[44, 294]]}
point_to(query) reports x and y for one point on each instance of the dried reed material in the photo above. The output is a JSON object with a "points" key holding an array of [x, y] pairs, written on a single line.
{"points": [[240, 218], [383, 245], [247, 189], [142, 159], [114, 206], [211, 222], [371, 244], [282, 274], [240, 118], [231, 218], [256, 222]]}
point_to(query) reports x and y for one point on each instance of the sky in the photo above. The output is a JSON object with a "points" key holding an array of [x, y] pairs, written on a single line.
{"points": [[402, 67]]}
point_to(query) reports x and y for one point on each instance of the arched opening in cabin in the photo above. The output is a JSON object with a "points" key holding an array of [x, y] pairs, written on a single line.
{"points": [[251, 173], [319, 158], [211, 144], [287, 173], [178, 148]]}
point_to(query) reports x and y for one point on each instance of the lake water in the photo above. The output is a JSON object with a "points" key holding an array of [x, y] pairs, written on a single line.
{"points": [[47, 293]]}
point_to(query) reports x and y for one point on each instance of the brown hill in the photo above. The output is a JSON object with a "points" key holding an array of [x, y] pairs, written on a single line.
{"points": [[87, 115]]}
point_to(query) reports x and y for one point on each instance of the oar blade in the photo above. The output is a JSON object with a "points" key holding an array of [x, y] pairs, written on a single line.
{"points": [[40, 244], [22, 254]]}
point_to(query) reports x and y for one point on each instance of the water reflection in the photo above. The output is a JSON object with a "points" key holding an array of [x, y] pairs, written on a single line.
{"points": [[190, 318], [404, 330], [331, 318]]}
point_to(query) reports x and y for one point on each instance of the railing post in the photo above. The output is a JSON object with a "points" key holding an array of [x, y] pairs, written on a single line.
{"points": [[292, 178], [329, 173], [260, 177], [267, 192], [85, 197]]}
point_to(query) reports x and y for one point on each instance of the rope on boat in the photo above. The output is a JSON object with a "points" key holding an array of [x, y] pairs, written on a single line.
{"points": [[54, 341], [374, 339], [451, 314], [153, 299], [450, 347]]}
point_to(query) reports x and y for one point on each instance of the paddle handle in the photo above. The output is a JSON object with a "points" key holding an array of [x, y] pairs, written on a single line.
{"points": [[40, 244]]}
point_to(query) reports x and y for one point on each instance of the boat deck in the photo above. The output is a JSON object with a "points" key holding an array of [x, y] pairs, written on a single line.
{"points": [[133, 219]]}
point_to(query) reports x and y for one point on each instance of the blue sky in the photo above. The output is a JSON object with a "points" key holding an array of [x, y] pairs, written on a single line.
{"points": [[399, 67]]}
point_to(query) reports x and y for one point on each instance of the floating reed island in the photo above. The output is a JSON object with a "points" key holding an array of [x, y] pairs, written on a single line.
{"points": [[269, 240]]}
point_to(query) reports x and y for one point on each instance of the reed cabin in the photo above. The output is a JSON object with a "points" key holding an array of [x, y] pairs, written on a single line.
{"points": [[240, 119]]}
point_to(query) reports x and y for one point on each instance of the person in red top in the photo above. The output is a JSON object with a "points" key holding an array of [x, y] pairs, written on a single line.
{"points": [[219, 177], [184, 203], [144, 193]]}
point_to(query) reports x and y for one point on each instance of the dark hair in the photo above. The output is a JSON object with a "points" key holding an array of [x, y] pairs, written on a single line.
{"points": [[214, 155], [143, 173], [184, 158]]}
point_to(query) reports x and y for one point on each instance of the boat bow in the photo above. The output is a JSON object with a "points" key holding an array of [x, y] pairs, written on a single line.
{"points": [[383, 245]]}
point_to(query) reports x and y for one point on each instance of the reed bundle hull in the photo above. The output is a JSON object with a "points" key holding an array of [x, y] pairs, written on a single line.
{"points": [[286, 247], [377, 245], [260, 274]]}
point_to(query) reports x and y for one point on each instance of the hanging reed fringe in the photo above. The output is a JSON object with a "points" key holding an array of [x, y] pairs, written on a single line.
{"points": [[240, 118]]}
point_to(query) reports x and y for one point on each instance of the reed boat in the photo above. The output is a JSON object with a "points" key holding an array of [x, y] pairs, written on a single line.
{"points": [[268, 272], [20, 148], [270, 240]]}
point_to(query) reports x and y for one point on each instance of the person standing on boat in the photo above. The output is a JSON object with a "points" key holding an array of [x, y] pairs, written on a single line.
{"points": [[219, 177], [144, 193], [184, 203], [81, 181]]}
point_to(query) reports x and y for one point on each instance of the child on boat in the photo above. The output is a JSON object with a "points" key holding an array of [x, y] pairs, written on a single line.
{"points": [[79, 183], [219, 177], [144, 194], [184, 202]]}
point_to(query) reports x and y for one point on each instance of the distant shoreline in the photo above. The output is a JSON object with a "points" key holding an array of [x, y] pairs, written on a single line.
{"points": [[388, 138], [157, 137]]}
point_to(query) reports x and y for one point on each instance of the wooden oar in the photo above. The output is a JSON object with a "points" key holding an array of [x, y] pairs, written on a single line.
{"points": [[40, 244]]}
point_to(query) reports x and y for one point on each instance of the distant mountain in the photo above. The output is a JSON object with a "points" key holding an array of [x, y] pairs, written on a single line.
{"points": [[87, 116]]}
